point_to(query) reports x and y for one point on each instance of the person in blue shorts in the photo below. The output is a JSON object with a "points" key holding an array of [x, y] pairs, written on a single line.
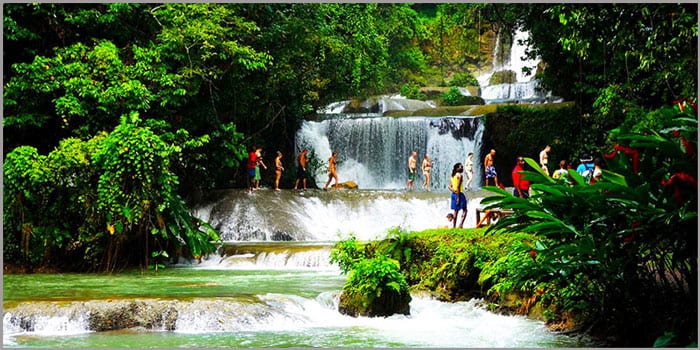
{"points": [[490, 169], [458, 199]]}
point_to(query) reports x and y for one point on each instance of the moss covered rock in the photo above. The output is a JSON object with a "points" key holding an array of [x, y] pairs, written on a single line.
{"points": [[375, 287]]}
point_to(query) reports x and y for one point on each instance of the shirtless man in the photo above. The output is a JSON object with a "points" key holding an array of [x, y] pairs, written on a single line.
{"points": [[412, 164], [331, 172], [544, 159], [489, 169], [301, 169]]}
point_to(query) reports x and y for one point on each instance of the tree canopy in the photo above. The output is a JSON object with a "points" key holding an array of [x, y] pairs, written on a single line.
{"points": [[197, 84]]}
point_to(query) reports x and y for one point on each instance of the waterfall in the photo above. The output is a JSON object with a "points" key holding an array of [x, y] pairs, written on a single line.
{"points": [[525, 89], [373, 151], [319, 216]]}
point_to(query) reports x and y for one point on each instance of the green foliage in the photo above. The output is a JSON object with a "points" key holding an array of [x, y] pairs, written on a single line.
{"points": [[617, 241], [453, 97], [464, 79], [81, 202], [412, 91], [372, 277], [399, 247], [645, 52], [448, 263], [157, 257], [347, 253]]}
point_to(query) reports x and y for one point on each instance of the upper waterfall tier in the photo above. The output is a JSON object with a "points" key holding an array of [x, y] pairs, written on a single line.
{"points": [[373, 152]]}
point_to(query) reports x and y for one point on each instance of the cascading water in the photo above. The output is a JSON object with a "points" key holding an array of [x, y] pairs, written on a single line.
{"points": [[373, 151], [525, 89], [319, 216]]}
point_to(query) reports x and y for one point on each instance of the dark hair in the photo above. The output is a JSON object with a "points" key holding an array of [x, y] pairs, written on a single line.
{"points": [[455, 168]]}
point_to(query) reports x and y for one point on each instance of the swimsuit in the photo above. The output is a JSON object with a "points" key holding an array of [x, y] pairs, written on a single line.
{"points": [[301, 172], [491, 172]]}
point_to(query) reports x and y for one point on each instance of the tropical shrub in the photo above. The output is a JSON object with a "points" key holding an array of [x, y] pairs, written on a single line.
{"points": [[85, 201], [377, 279], [453, 97], [412, 91], [463, 79], [622, 253], [375, 284]]}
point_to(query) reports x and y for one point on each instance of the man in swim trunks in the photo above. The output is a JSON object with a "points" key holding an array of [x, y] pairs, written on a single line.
{"points": [[412, 164], [489, 169], [544, 159], [458, 200], [301, 169]]}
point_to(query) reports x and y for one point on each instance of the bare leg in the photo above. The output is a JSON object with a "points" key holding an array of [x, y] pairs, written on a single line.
{"points": [[464, 216]]}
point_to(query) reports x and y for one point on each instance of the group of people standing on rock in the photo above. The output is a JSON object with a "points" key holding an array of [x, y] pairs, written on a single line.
{"points": [[590, 169], [255, 161], [302, 161], [427, 166]]}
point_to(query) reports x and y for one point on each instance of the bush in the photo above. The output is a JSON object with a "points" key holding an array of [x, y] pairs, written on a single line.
{"points": [[81, 203], [375, 287], [454, 97], [624, 250], [412, 91], [463, 79]]}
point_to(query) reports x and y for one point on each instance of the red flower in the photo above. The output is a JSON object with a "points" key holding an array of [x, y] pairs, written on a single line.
{"points": [[533, 254], [686, 101], [677, 178], [686, 144], [682, 177], [630, 238], [610, 155], [632, 152]]}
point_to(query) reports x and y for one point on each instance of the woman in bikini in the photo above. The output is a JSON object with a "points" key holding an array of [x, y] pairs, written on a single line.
{"points": [[425, 166], [278, 170]]}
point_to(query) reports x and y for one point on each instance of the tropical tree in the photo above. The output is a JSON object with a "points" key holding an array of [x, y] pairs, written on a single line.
{"points": [[641, 52], [106, 203]]}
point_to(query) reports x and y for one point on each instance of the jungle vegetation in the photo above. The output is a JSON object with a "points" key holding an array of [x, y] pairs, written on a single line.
{"points": [[116, 115]]}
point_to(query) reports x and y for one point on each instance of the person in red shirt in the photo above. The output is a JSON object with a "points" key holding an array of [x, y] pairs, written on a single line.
{"points": [[521, 186], [250, 168]]}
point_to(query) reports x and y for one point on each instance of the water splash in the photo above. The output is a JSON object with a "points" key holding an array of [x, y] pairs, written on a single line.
{"points": [[288, 320], [327, 216]]}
